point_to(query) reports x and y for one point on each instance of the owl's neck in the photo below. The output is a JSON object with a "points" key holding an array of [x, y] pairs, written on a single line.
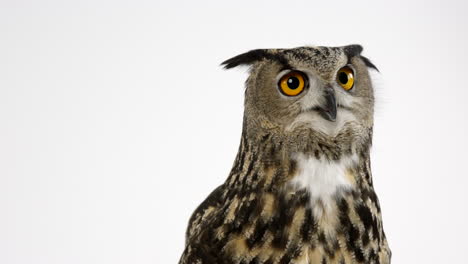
{"points": [[271, 161]]}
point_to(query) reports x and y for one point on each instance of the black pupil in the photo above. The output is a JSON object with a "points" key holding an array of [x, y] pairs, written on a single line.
{"points": [[343, 77], [293, 83]]}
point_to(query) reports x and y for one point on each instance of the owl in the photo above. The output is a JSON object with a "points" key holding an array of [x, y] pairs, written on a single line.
{"points": [[300, 189]]}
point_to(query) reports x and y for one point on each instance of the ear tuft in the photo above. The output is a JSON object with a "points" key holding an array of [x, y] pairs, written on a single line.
{"points": [[353, 50], [245, 58], [368, 63]]}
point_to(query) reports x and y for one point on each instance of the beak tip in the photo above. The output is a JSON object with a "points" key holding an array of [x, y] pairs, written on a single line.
{"points": [[330, 116]]}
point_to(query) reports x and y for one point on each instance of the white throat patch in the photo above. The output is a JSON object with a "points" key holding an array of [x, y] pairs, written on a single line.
{"points": [[324, 179]]}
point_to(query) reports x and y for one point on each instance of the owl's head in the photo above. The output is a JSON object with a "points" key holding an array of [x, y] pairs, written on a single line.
{"points": [[323, 91]]}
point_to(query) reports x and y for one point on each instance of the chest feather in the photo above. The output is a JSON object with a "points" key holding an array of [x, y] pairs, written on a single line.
{"points": [[324, 180]]}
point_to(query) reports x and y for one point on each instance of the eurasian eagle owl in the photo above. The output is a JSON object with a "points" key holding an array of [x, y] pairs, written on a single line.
{"points": [[300, 190]]}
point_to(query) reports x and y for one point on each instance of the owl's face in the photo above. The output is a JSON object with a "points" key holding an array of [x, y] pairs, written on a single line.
{"points": [[327, 90]]}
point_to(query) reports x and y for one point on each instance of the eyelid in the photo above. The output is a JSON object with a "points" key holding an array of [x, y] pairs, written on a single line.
{"points": [[283, 72]]}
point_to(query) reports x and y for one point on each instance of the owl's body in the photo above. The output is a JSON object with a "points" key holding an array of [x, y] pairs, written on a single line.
{"points": [[300, 190]]}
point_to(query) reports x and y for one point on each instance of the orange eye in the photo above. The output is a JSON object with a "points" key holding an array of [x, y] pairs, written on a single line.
{"points": [[292, 83], [345, 77]]}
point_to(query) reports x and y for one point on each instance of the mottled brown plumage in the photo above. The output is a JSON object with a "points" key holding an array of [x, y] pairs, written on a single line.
{"points": [[271, 208]]}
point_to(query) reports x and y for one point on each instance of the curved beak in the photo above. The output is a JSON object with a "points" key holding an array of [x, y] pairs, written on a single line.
{"points": [[328, 111]]}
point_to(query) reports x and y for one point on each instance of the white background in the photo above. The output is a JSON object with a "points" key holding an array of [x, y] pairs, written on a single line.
{"points": [[116, 120]]}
